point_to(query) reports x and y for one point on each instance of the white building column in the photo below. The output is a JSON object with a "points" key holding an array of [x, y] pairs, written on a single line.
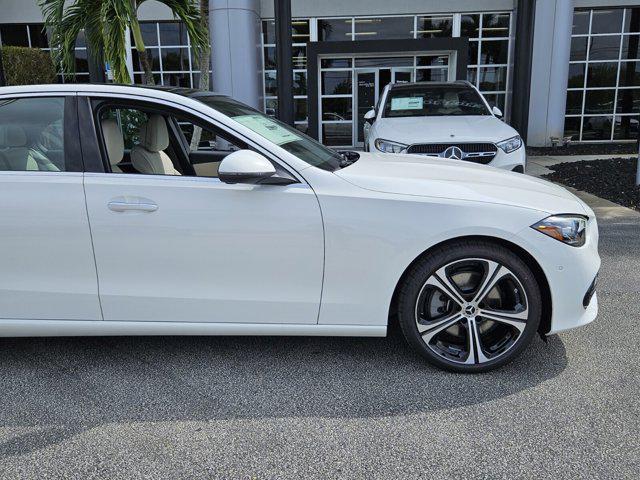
{"points": [[236, 49], [549, 71]]}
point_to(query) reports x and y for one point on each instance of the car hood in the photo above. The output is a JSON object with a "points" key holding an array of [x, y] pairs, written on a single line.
{"points": [[441, 178], [409, 130]]}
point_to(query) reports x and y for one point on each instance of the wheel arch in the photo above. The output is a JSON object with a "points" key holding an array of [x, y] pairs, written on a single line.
{"points": [[530, 261]]}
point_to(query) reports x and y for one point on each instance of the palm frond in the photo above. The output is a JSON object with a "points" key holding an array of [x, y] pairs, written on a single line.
{"points": [[116, 15]]}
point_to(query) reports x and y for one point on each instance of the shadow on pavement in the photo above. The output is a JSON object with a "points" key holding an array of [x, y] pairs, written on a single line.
{"points": [[54, 388]]}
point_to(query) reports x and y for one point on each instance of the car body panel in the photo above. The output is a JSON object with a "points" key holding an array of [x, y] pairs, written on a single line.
{"points": [[343, 239]]}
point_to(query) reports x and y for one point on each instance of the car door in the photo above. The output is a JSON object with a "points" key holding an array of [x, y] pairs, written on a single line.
{"points": [[183, 248], [46, 257]]}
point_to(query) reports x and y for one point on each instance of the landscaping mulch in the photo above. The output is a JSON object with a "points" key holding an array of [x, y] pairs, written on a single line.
{"points": [[613, 179], [585, 149]]}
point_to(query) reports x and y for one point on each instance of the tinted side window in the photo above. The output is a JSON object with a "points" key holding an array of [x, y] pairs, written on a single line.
{"points": [[32, 134]]}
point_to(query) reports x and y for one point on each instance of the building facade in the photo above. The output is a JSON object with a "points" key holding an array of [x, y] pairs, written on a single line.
{"points": [[583, 66]]}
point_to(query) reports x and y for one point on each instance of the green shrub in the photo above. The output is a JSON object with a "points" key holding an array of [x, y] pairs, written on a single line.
{"points": [[27, 66]]}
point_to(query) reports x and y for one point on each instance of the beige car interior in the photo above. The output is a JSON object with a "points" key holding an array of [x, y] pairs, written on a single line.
{"points": [[17, 155], [148, 156], [114, 142]]}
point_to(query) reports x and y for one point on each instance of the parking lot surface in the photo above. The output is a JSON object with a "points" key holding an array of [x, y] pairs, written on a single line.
{"points": [[330, 407]]}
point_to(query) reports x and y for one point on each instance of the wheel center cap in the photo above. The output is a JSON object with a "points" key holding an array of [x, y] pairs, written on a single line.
{"points": [[469, 311]]}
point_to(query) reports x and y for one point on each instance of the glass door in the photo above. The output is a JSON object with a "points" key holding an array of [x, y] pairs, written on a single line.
{"points": [[366, 98]]}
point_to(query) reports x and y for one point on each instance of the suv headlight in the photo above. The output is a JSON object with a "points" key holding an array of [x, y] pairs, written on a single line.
{"points": [[387, 146], [569, 229], [510, 144]]}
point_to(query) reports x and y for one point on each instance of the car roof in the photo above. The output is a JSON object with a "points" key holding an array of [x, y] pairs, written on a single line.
{"points": [[108, 88]]}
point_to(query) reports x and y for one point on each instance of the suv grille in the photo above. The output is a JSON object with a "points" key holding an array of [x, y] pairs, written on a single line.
{"points": [[471, 152]]}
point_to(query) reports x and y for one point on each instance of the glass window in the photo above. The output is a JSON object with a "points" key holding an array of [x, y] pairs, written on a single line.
{"points": [[495, 25], [172, 33], [153, 56], [269, 31], [38, 36], [434, 26], [432, 61], [578, 48], [628, 101], [335, 63], [494, 51], [572, 127], [607, 21], [336, 109], [383, 28], [574, 102], [336, 134], [596, 128], [335, 29], [581, 22], [473, 52], [630, 50], [602, 74], [384, 62], [270, 84], [432, 74], [177, 79], [32, 134], [299, 57], [625, 128], [605, 47], [576, 75], [270, 58], [493, 78], [300, 31], [14, 35], [428, 101], [300, 110], [599, 101], [495, 100], [335, 83], [472, 75], [470, 26], [149, 34], [632, 20], [300, 83], [175, 59], [629, 74]]}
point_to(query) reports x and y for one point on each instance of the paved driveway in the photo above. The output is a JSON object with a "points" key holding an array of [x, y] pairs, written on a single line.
{"points": [[330, 408]]}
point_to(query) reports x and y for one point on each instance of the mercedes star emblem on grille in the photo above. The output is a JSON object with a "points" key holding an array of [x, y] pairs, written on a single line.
{"points": [[453, 152]]}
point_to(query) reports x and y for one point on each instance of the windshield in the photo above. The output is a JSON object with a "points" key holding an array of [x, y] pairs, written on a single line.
{"points": [[433, 101], [286, 137]]}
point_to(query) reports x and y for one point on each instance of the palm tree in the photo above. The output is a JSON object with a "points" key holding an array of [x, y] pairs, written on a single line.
{"points": [[105, 23]]}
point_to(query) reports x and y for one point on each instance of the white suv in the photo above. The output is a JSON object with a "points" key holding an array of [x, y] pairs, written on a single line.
{"points": [[443, 119]]}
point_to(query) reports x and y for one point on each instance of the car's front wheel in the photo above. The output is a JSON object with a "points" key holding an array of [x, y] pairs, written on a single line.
{"points": [[469, 306]]}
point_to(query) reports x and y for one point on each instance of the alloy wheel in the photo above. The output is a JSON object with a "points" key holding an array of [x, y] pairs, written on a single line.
{"points": [[471, 311]]}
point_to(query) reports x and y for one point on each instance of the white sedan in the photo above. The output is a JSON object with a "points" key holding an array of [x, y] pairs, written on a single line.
{"points": [[443, 119], [140, 211]]}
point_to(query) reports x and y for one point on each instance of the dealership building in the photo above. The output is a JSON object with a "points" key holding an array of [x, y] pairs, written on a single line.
{"points": [[556, 68]]}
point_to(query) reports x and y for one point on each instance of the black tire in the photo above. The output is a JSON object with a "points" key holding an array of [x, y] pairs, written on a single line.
{"points": [[459, 258]]}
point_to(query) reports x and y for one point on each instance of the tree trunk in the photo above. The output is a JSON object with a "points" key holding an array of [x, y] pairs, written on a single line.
{"points": [[139, 43], [204, 61], [145, 61]]}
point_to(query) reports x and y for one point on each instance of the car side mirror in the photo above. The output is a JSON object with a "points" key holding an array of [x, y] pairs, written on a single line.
{"points": [[370, 116], [496, 111], [245, 166]]}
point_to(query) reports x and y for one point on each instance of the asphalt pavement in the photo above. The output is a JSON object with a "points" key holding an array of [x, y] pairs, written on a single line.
{"points": [[269, 408]]}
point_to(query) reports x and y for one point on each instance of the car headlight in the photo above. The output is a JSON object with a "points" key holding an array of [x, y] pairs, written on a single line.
{"points": [[510, 144], [569, 229], [387, 146]]}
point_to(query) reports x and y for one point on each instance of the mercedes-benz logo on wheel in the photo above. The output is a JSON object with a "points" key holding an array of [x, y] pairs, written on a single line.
{"points": [[453, 152]]}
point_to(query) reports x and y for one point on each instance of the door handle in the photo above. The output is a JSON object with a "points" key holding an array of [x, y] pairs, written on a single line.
{"points": [[121, 206]]}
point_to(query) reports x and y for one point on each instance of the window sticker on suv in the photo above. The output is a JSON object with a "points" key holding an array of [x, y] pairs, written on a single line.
{"points": [[407, 103], [267, 128]]}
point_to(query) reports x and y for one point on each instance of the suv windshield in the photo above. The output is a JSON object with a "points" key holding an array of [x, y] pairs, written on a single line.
{"points": [[433, 101], [286, 137]]}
